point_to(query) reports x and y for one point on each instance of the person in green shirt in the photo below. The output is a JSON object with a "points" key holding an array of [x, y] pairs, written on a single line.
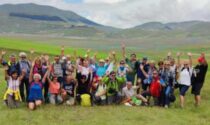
{"points": [[113, 83], [133, 64]]}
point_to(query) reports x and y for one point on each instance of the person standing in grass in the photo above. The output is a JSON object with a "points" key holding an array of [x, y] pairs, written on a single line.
{"points": [[113, 82], [58, 69], [45, 64], [141, 72], [199, 72], [24, 64], [167, 87], [132, 63], [184, 79]]}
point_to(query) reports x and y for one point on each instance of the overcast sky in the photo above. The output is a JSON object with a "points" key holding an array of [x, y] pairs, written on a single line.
{"points": [[129, 13]]}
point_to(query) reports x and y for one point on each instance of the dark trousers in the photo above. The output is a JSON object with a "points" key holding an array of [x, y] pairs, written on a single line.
{"points": [[24, 86], [46, 90]]}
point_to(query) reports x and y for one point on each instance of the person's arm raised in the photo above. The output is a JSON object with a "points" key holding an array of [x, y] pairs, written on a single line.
{"points": [[123, 51], [114, 57], [31, 72], [2, 56], [88, 54], [23, 73], [178, 60], [62, 51], [190, 59], [169, 56], [46, 74], [5, 73], [31, 56]]}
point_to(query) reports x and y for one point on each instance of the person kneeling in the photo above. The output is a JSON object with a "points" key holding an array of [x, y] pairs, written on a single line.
{"points": [[113, 83], [69, 90]]}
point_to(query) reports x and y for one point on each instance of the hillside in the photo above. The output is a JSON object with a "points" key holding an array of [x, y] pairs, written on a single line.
{"points": [[39, 19]]}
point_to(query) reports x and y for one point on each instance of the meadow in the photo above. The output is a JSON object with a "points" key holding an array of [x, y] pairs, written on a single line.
{"points": [[106, 115]]}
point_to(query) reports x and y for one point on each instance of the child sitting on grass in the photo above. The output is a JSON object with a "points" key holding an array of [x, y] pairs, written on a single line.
{"points": [[12, 95]]}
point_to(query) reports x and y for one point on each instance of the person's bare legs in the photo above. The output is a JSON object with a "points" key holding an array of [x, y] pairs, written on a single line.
{"points": [[38, 103], [31, 105], [141, 98], [197, 100], [181, 101]]}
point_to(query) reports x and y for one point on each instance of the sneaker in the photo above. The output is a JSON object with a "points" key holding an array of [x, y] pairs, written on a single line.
{"points": [[127, 104]]}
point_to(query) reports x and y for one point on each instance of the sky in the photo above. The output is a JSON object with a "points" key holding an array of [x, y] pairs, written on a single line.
{"points": [[130, 13]]}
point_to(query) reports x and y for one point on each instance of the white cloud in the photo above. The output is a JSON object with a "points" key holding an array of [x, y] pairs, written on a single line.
{"points": [[104, 1], [128, 13]]}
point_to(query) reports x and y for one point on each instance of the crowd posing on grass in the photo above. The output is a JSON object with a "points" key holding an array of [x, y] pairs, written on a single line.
{"points": [[89, 81]]}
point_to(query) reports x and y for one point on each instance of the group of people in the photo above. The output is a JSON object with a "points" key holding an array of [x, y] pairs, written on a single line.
{"points": [[89, 81]]}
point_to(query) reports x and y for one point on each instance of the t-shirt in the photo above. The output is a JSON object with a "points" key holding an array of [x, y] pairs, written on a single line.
{"points": [[140, 74], [54, 88], [200, 71], [69, 88], [185, 76], [101, 70], [58, 69], [122, 70], [134, 67], [128, 93], [13, 84]]}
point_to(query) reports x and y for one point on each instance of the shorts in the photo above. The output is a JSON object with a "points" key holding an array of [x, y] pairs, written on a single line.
{"points": [[183, 89], [196, 88]]}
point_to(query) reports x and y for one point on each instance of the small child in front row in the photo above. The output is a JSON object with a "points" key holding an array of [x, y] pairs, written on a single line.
{"points": [[12, 95]]}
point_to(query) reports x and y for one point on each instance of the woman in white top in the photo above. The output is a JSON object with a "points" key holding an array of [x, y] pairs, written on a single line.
{"points": [[185, 73], [12, 95]]}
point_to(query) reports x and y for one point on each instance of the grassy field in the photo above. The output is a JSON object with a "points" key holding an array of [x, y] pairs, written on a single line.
{"points": [[108, 115]]}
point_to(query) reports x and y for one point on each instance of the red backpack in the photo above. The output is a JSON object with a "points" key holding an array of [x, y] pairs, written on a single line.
{"points": [[155, 88]]}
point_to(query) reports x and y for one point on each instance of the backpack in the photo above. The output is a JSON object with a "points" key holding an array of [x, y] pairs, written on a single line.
{"points": [[85, 100], [155, 88]]}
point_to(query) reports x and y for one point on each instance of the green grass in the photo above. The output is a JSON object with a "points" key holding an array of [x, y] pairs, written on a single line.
{"points": [[107, 115]]}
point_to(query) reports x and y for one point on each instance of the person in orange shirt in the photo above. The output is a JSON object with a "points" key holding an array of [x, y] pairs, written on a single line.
{"points": [[54, 90]]}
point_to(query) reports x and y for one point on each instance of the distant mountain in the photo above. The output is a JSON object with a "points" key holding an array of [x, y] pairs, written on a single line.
{"points": [[46, 20], [173, 29], [33, 18]]}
